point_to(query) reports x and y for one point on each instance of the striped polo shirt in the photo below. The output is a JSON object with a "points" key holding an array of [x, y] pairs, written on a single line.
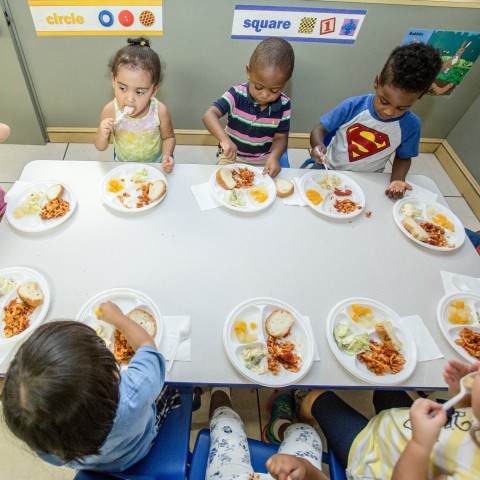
{"points": [[249, 127]]}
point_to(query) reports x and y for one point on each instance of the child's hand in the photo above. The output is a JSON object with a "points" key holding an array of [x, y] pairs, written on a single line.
{"points": [[229, 150], [454, 371], [397, 188], [167, 163], [106, 127], [283, 467], [319, 157], [109, 312], [272, 167], [427, 418]]}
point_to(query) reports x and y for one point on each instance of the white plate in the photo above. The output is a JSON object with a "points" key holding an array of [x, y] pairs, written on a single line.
{"points": [[125, 172], [339, 315], [311, 181], [451, 330], [31, 222], [429, 209], [257, 310], [251, 205], [21, 275], [127, 299]]}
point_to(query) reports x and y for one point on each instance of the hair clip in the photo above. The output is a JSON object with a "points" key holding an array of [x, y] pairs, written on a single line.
{"points": [[142, 44]]}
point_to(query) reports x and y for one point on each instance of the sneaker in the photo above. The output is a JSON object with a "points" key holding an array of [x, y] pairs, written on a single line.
{"points": [[280, 407]]}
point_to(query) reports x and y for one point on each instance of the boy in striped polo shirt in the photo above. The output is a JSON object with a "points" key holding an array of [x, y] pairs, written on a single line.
{"points": [[258, 112]]}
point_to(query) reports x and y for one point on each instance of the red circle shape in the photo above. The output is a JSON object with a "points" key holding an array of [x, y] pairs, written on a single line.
{"points": [[125, 17]]}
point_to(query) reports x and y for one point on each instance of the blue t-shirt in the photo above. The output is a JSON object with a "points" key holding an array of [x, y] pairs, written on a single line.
{"points": [[133, 429], [362, 142]]}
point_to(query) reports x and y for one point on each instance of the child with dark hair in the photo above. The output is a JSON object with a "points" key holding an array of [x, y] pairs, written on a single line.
{"points": [[140, 124], [66, 398], [363, 132], [4, 134], [258, 112]]}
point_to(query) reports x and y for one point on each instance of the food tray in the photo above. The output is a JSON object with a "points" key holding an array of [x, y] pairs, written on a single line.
{"points": [[428, 209], [32, 222], [451, 330], [257, 310], [261, 181], [125, 174], [21, 275], [320, 181], [339, 315]]}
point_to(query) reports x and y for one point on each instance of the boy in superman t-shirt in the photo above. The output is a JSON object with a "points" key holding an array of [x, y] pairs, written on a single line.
{"points": [[363, 132]]}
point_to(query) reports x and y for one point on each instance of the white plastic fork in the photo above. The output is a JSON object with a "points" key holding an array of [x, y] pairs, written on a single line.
{"points": [[466, 383], [324, 159]]}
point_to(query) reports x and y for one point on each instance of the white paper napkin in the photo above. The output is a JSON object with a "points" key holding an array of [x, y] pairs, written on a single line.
{"points": [[169, 338], [427, 348], [14, 189], [204, 196], [295, 198], [420, 192], [454, 282], [308, 326]]}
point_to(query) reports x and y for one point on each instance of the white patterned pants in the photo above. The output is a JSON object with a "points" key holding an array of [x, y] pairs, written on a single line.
{"points": [[229, 456]]}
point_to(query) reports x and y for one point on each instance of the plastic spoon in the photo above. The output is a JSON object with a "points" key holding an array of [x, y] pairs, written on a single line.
{"points": [[126, 111], [466, 384], [183, 334], [460, 284], [324, 160]]}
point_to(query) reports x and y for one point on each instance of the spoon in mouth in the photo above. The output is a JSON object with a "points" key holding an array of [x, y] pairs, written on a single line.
{"points": [[126, 111]]}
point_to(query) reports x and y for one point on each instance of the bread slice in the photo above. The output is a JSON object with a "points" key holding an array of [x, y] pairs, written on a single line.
{"points": [[279, 323], [30, 294], [284, 187], [386, 333], [415, 230], [54, 191], [145, 319], [225, 178], [157, 189]]}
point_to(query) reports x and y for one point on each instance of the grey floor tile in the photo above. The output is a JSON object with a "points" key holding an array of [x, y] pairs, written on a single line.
{"points": [[428, 165], [465, 214], [88, 151], [13, 158]]}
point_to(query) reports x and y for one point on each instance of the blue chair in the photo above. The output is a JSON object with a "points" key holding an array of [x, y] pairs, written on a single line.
{"points": [[168, 457], [259, 453], [284, 163]]}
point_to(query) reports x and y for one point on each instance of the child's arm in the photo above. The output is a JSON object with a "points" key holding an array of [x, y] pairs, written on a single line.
{"points": [[317, 137], [211, 120], [168, 137], [427, 419], [136, 335], [398, 185], [279, 144], [105, 129], [283, 466], [453, 372]]}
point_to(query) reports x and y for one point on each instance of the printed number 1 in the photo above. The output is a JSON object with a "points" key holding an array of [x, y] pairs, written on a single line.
{"points": [[327, 26]]}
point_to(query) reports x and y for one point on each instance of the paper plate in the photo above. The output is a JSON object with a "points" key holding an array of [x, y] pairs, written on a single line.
{"points": [[425, 210], [130, 176], [32, 222], [262, 184], [20, 275], [451, 330], [127, 299], [254, 312], [338, 315], [330, 188]]}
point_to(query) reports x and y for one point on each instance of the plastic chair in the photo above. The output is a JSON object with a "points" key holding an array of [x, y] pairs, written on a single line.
{"points": [[168, 457], [259, 453], [284, 163]]}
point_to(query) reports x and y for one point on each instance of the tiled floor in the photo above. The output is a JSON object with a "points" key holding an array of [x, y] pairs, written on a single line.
{"points": [[20, 464]]}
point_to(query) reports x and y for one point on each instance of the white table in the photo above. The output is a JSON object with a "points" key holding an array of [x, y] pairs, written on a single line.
{"points": [[205, 263]]}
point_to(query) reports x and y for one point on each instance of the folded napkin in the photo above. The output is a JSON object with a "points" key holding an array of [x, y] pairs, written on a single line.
{"points": [[454, 282], [169, 338], [204, 196], [308, 326], [420, 192], [427, 348], [295, 198], [14, 189]]}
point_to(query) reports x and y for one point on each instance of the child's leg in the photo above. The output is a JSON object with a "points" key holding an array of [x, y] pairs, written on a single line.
{"points": [[229, 456], [339, 422], [168, 400], [301, 440], [386, 399]]}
